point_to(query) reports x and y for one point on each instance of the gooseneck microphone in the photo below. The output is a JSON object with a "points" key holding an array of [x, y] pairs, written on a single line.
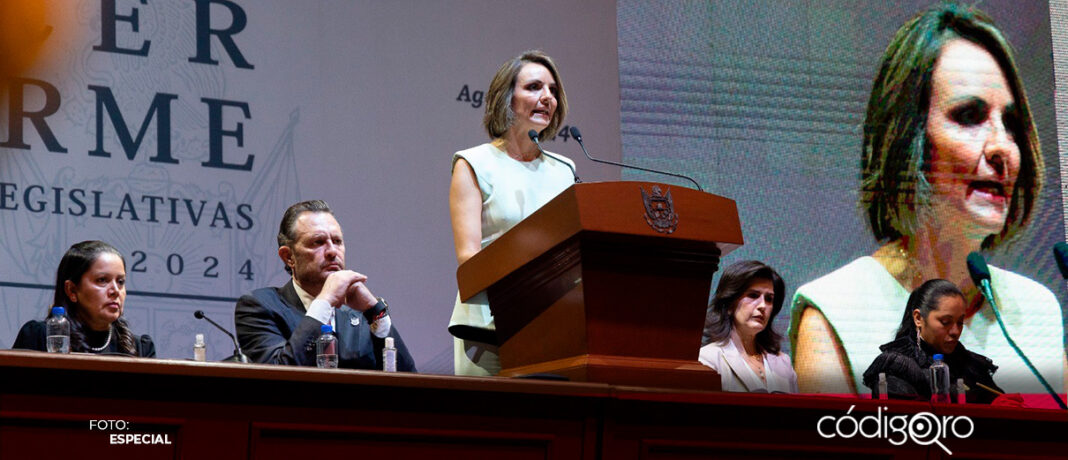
{"points": [[533, 135], [575, 134], [1060, 252], [238, 356], [980, 273]]}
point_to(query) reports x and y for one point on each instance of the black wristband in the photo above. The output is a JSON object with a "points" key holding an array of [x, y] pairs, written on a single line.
{"points": [[376, 312]]}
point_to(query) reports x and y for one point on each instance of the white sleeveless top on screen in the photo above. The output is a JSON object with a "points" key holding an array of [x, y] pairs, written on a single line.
{"points": [[863, 304]]}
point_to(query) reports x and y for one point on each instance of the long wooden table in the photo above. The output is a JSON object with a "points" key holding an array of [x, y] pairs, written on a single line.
{"points": [[57, 406]]}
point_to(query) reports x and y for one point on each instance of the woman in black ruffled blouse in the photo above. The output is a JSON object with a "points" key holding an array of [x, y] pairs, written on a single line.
{"points": [[932, 324]]}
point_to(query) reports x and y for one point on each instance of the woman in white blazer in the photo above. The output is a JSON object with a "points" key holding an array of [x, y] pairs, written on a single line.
{"points": [[738, 340]]}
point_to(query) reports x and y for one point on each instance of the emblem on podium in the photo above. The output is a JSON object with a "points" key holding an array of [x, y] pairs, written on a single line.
{"points": [[660, 210]]}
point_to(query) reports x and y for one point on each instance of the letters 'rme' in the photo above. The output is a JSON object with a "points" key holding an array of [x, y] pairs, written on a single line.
{"points": [[160, 108]]}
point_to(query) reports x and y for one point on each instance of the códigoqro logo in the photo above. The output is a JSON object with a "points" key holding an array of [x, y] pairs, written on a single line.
{"points": [[923, 428]]}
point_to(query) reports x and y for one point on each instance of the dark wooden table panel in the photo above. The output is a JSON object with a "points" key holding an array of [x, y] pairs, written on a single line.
{"points": [[217, 410]]}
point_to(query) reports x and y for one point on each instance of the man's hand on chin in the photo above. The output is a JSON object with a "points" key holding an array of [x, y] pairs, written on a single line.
{"points": [[337, 286]]}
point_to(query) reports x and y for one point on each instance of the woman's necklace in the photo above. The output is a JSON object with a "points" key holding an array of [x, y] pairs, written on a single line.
{"points": [[911, 273], [105, 345], [895, 258], [757, 362]]}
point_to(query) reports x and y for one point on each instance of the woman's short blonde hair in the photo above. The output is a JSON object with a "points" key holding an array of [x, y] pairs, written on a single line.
{"points": [[499, 115]]}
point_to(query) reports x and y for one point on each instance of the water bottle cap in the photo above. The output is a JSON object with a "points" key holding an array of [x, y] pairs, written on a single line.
{"points": [[938, 357], [57, 310], [199, 339], [326, 328], [389, 342]]}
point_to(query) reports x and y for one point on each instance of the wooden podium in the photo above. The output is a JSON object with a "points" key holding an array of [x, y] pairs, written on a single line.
{"points": [[608, 282]]}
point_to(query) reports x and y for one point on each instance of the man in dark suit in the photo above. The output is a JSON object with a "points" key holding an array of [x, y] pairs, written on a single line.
{"points": [[280, 325]]}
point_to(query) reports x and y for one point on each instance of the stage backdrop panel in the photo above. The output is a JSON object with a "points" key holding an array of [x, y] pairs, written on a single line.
{"points": [[180, 130]]}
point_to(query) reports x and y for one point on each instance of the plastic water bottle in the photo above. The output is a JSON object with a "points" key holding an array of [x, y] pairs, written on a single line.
{"points": [[962, 397], [326, 348], [200, 349], [57, 329], [939, 373], [882, 387], [389, 356]]}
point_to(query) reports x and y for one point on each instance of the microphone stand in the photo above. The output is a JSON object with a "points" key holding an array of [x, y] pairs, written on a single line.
{"points": [[533, 135], [980, 273], [577, 136], [238, 356]]}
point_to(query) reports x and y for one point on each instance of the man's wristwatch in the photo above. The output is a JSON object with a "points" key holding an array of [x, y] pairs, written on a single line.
{"points": [[377, 312]]}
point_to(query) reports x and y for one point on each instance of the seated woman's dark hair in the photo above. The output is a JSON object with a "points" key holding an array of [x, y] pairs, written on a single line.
{"points": [[925, 299], [719, 320], [75, 262]]}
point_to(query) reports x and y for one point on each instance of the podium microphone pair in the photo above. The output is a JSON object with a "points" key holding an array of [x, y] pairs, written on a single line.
{"points": [[980, 274], [238, 356], [577, 136]]}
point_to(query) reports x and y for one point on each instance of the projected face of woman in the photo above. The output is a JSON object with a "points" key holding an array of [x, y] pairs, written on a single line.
{"points": [[974, 158]]}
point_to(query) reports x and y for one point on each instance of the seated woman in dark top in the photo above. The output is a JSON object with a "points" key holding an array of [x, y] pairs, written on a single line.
{"points": [[932, 324], [91, 286]]}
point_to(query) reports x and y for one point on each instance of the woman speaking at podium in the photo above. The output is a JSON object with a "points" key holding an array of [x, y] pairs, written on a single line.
{"points": [[91, 286], [950, 165], [497, 184]]}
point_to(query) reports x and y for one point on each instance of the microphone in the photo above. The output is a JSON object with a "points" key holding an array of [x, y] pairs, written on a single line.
{"points": [[533, 135], [980, 273], [238, 356], [1060, 252], [577, 136]]}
